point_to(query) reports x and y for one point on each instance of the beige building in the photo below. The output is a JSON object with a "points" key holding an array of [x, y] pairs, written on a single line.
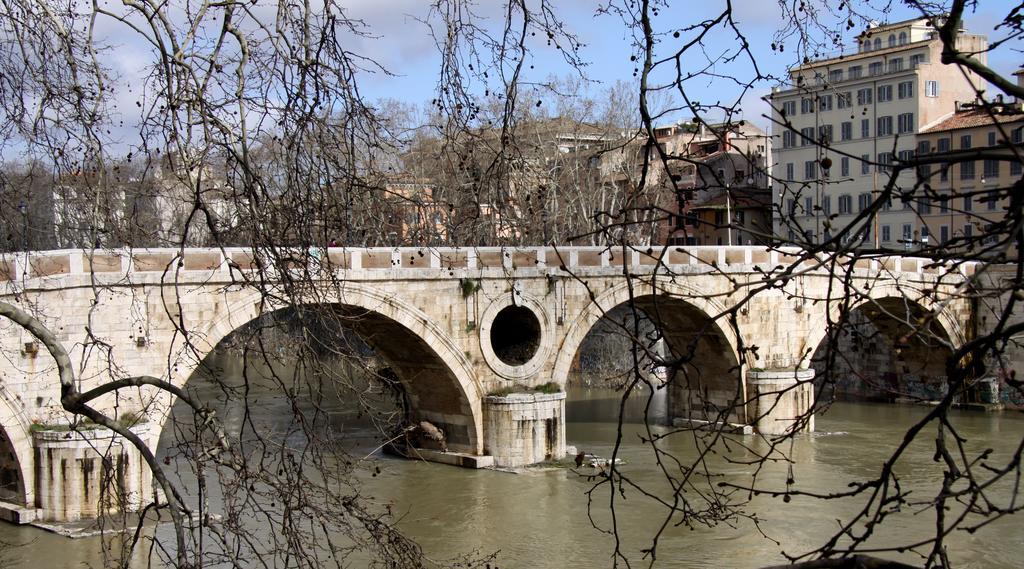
{"points": [[847, 117], [966, 198]]}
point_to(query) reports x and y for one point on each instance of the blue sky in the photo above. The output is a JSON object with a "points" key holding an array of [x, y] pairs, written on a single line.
{"points": [[404, 47]]}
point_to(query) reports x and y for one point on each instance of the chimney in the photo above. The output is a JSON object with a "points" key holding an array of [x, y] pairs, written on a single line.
{"points": [[1020, 77]]}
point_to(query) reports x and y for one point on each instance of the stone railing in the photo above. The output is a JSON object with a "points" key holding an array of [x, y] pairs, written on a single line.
{"points": [[40, 264]]}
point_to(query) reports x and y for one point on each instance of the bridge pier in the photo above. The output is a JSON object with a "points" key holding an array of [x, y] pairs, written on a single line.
{"points": [[524, 428], [779, 398], [85, 474]]}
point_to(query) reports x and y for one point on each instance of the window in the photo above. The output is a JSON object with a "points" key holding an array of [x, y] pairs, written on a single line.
{"points": [[825, 102], [845, 204], [896, 65], [855, 71], [789, 108], [875, 68], [884, 161], [967, 170], [965, 142], [789, 171], [807, 135], [908, 232], [886, 233], [863, 201], [884, 127], [905, 155], [992, 201], [916, 60], [825, 133], [791, 207], [808, 206], [944, 233], [1017, 135], [787, 139], [968, 230], [843, 100], [1015, 168], [922, 148], [924, 207], [846, 130], [865, 128], [865, 164], [931, 88], [835, 76], [905, 89], [864, 96], [905, 122], [943, 204], [903, 38], [806, 106], [925, 233], [884, 93], [826, 205], [990, 170], [844, 166], [877, 44], [944, 144], [992, 138], [809, 167], [892, 40], [944, 173]]}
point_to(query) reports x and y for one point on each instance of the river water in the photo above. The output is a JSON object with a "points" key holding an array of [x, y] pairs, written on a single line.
{"points": [[538, 517]]}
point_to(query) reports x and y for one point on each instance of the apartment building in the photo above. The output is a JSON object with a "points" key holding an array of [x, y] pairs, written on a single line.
{"points": [[846, 119], [966, 198], [720, 173]]}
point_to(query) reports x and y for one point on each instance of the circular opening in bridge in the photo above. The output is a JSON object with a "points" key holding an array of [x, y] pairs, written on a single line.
{"points": [[515, 335]]}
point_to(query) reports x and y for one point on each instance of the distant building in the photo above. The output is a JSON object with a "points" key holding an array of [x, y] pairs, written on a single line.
{"points": [[718, 176], [845, 119], [964, 199]]}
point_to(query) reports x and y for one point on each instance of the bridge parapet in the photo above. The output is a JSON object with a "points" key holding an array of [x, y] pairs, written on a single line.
{"points": [[34, 268]]}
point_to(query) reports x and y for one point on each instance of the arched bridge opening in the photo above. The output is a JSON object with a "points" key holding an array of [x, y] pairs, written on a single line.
{"points": [[12, 484], [886, 349], [330, 367], [670, 342], [622, 346]]}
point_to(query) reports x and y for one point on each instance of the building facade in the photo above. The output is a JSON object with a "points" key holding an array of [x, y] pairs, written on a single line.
{"points": [[718, 176], [962, 203], [847, 118]]}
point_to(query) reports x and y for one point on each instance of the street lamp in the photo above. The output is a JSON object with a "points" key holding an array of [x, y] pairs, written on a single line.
{"points": [[728, 215]]}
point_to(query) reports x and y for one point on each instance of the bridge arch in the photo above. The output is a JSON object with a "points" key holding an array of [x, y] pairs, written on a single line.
{"points": [[903, 362], [16, 436], [437, 376], [681, 313]]}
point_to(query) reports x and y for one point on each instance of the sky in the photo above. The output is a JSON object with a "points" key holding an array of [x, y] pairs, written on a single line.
{"points": [[404, 47], [398, 38]]}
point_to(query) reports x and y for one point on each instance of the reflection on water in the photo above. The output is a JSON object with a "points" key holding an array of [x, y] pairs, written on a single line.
{"points": [[539, 518]]}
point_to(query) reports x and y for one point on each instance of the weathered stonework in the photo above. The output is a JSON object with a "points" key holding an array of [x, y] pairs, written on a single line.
{"points": [[524, 428], [427, 313], [86, 473], [778, 398]]}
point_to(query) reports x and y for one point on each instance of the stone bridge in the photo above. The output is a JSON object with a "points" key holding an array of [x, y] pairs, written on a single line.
{"points": [[442, 319]]}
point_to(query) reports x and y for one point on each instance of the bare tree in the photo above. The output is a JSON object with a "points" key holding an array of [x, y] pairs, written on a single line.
{"points": [[253, 130]]}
